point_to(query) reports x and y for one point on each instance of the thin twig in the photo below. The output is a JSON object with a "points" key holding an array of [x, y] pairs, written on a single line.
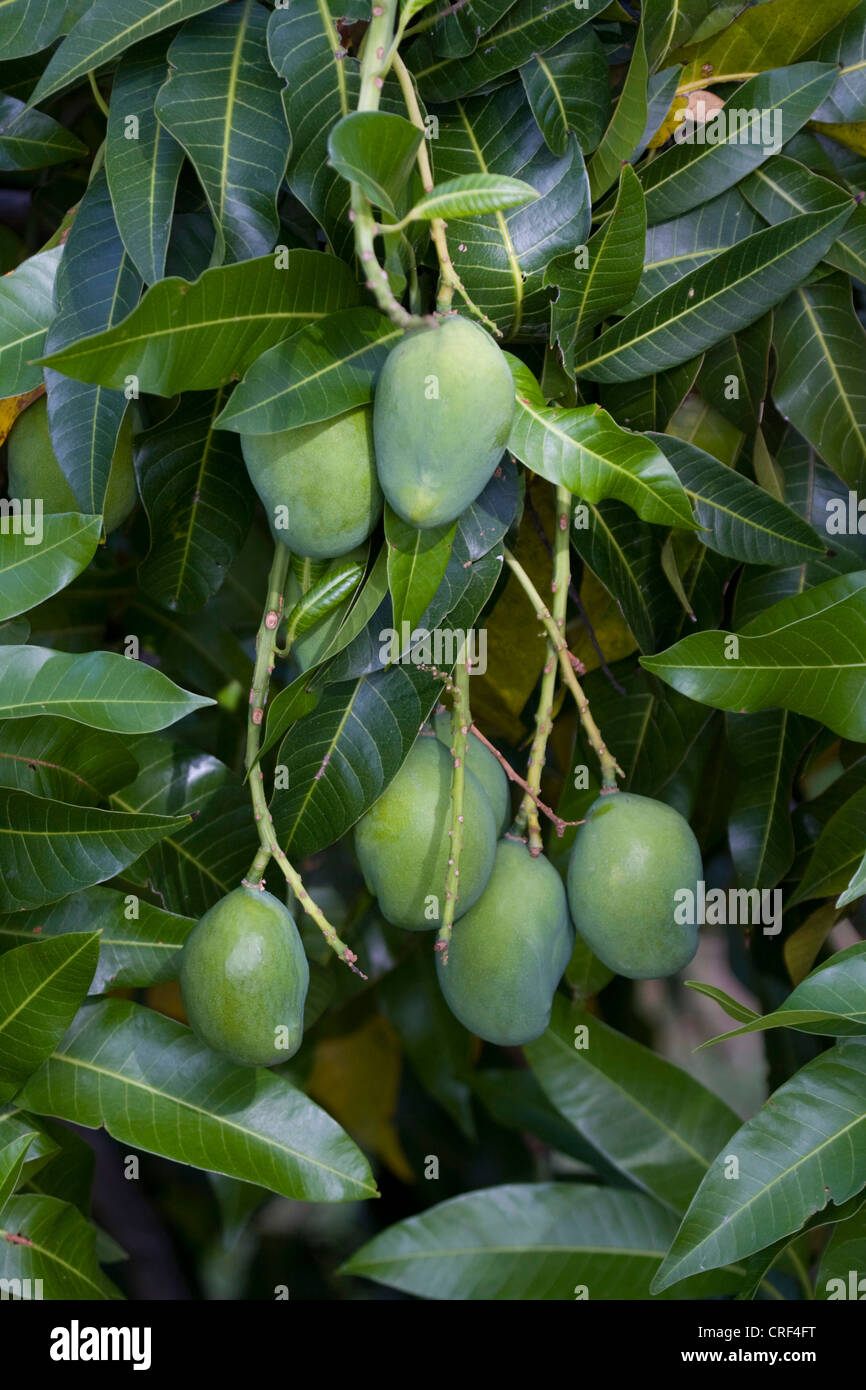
{"points": [[560, 825]]}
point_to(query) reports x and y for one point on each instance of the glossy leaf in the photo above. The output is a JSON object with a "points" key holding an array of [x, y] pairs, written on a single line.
{"points": [[622, 137], [58, 1248], [56, 758], [199, 503], [782, 188], [838, 852], [222, 104], [32, 140], [26, 310], [100, 689], [654, 1123], [766, 749], [12, 1156], [471, 195], [417, 560], [720, 297], [142, 160], [587, 452], [185, 337], [803, 1149], [568, 89], [318, 372], [831, 1001], [32, 572], [139, 944], [377, 151], [41, 986], [805, 654], [845, 45]]}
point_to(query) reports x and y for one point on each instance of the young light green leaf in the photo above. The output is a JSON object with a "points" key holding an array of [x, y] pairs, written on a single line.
{"points": [[831, 1001], [376, 150], [57, 1252], [471, 195], [184, 337], [26, 310]]}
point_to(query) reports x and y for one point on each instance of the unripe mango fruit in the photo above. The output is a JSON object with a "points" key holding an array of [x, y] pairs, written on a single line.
{"points": [[323, 476], [403, 842], [481, 762], [34, 469], [244, 978], [441, 418], [508, 953], [629, 859]]}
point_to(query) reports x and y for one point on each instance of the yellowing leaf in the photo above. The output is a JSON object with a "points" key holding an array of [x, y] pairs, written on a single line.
{"points": [[610, 627], [850, 134], [771, 35]]}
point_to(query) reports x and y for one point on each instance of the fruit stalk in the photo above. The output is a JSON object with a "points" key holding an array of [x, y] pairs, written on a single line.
{"points": [[544, 714], [609, 766], [376, 58], [461, 722], [265, 656], [449, 280]]}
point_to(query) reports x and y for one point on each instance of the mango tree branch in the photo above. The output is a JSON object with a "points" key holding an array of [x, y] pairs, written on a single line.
{"points": [[461, 720], [559, 824], [609, 765], [265, 644]]}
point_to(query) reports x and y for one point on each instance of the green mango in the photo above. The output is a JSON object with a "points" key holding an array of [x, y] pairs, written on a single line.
{"points": [[442, 414], [318, 483], [34, 469], [481, 762], [403, 841], [630, 857], [509, 951], [244, 978]]}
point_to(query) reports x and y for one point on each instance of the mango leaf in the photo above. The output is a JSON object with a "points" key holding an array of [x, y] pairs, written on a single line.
{"points": [[199, 503], [222, 104], [105, 29], [623, 135], [651, 402], [831, 1001], [609, 277], [457, 31], [845, 1251], [30, 573], [586, 451], [417, 560], [765, 36], [625, 554], [184, 337], [471, 195], [656, 1125], [740, 519], [12, 1157], [846, 46], [97, 285], [782, 188], [720, 297], [318, 372], [26, 310], [101, 689], [56, 758], [806, 654], [690, 173], [803, 1149], [501, 256], [857, 887], [142, 171], [151, 1083], [189, 868], [31, 25], [838, 853], [41, 986], [820, 382], [676, 247], [767, 749], [568, 88], [139, 944], [376, 150], [668, 26], [50, 849], [58, 1249], [733, 377], [529, 27], [32, 140]]}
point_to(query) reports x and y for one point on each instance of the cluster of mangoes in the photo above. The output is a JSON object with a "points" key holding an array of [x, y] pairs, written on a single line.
{"points": [[436, 430]]}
